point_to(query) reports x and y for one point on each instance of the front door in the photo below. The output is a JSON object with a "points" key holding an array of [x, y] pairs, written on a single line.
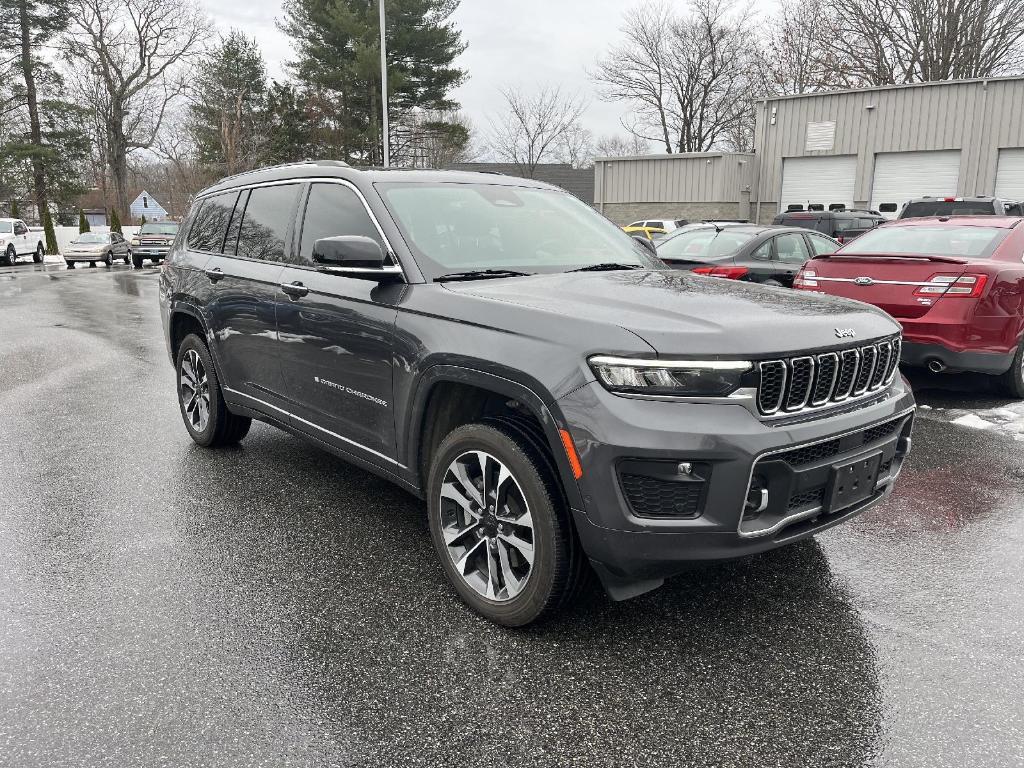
{"points": [[337, 334]]}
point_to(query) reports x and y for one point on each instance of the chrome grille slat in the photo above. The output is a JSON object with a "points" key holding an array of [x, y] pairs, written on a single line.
{"points": [[793, 385]]}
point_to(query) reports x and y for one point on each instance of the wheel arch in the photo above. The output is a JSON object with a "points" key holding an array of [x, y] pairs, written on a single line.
{"points": [[426, 426]]}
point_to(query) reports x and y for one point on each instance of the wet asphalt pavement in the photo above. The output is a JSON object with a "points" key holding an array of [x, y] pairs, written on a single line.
{"points": [[269, 605]]}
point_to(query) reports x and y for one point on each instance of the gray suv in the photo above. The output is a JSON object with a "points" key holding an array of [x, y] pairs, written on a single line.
{"points": [[562, 401]]}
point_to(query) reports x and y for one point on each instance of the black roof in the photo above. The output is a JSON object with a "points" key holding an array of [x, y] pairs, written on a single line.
{"points": [[338, 169]]}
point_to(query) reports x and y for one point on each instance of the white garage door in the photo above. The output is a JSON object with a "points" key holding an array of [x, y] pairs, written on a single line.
{"points": [[900, 176], [824, 180], [1010, 174]]}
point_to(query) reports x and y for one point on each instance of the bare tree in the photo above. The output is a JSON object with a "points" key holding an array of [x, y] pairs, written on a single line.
{"points": [[906, 41], [535, 126], [126, 59], [690, 77], [799, 54], [577, 147], [621, 146]]}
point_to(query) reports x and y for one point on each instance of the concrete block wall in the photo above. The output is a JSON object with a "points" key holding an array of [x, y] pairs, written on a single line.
{"points": [[626, 213]]}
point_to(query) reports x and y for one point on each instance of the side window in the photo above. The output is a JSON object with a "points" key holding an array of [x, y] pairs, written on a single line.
{"points": [[763, 252], [791, 249], [264, 229], [822, 245], [20, 228], [211, 222], [333, 209]]}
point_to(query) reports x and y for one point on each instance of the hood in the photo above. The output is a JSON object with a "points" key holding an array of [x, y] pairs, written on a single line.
{"points": [[679, 313], [88, 247]]}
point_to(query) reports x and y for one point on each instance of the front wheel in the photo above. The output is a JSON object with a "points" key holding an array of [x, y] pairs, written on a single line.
{"points": [[202, 405], [1013, 379], [92, 264], [500, 525], [37, 257], [70, 264], [10, 256], [137, 261], [109, 259], [127, 256]]}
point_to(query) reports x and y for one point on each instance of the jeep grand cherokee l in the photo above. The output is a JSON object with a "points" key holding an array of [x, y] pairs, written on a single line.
{"points": [[560, 399]]}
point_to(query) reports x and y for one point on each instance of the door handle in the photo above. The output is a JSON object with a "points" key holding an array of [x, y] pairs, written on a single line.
{"points": [[296, 290], [214, 274]]}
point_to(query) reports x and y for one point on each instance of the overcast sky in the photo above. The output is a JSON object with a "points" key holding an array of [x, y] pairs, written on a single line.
{"points": [[511, 42]]}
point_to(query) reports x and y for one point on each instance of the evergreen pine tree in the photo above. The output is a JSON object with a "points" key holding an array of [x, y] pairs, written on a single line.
{"points": [[49, 234], [115, 222], [83, 223]]}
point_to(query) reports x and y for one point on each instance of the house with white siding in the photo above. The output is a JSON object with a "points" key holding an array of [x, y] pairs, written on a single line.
{"points": [[146, 205]]}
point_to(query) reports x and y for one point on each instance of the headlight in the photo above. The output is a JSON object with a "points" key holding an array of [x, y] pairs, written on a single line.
{"points": [[681, 378], [135, 241]]}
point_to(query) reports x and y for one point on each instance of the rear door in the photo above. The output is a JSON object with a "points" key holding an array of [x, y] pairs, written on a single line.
{"points": [[244, 274], [791, 254]]}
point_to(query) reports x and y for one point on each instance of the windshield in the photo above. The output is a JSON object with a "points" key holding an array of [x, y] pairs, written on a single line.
{"points": [[703, 244], [159, 228], [6, 227], [974, 242], [948, 208], [92, 237], [466, 227]]}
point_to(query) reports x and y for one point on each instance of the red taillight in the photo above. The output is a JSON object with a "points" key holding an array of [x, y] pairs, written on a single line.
{"points": [[729, 273], [969, 286], [949, 199]]}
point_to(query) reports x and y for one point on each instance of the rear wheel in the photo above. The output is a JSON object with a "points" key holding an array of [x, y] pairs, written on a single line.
{"points": [[10, 256], [500, 525], [70, 264], [1013, 379], [37, 257], [202, 405]]}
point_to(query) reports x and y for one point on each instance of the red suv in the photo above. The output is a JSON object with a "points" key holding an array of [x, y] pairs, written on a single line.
{"points": [[956, 284]]}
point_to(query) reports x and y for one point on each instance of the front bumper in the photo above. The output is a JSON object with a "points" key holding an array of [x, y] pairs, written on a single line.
{"points": [[85, 256], [151, 251], [638, 531]]}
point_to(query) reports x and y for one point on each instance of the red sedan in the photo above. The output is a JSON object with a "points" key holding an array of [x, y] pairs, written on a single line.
{"points": [[956, 284]]}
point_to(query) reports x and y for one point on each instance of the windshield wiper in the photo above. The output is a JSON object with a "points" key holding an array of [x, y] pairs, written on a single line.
{"points": [[606, 266], [479, 274]]}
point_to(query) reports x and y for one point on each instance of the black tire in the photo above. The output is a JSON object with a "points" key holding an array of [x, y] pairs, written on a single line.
{"points": [[223, 426], [70, 264], [558, 562], [1013, 380], [128, 256], [92, 265], [10, 256], [137, 261], [40, 251], [109, 259]]}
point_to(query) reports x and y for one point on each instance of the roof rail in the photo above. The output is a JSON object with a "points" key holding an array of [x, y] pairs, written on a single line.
{"points": [[336, 163]]}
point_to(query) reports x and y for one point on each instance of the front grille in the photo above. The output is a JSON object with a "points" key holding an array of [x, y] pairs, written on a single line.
{"points": [[809, 454], [812, 498], [798, 383], [654, 497]]}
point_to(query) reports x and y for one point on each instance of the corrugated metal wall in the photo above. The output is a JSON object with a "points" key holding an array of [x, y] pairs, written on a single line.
{"points": [[977, 117], [705, 177]]}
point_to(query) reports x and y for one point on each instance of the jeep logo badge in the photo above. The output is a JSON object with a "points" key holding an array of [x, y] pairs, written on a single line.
{"points": [[845, 333], [863, 281]]}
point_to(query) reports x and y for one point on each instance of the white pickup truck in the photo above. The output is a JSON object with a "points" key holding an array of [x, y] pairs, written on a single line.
{"points": [[16, 239]]}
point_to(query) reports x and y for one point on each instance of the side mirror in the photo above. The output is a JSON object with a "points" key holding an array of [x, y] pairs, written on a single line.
{"points": [[349, 251], [646, 243]]}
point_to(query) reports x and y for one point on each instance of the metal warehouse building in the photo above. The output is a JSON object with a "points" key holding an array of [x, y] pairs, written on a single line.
{"points": [[869, 148]]}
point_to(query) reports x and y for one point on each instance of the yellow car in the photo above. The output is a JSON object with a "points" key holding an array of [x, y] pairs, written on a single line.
{"points": [[649, 232]]}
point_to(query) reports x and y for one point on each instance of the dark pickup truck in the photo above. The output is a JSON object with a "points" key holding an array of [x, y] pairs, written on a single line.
{"points": [[562, 401]]}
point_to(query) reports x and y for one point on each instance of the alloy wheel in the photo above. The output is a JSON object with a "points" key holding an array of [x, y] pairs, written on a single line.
{"points": [[194, 391], [487, 526]]}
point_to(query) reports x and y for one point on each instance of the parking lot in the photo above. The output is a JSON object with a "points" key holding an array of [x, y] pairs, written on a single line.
{"points": [[161, 604]]}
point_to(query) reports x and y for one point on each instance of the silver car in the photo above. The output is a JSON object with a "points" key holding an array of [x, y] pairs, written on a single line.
{"points": [[98, 246]]}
